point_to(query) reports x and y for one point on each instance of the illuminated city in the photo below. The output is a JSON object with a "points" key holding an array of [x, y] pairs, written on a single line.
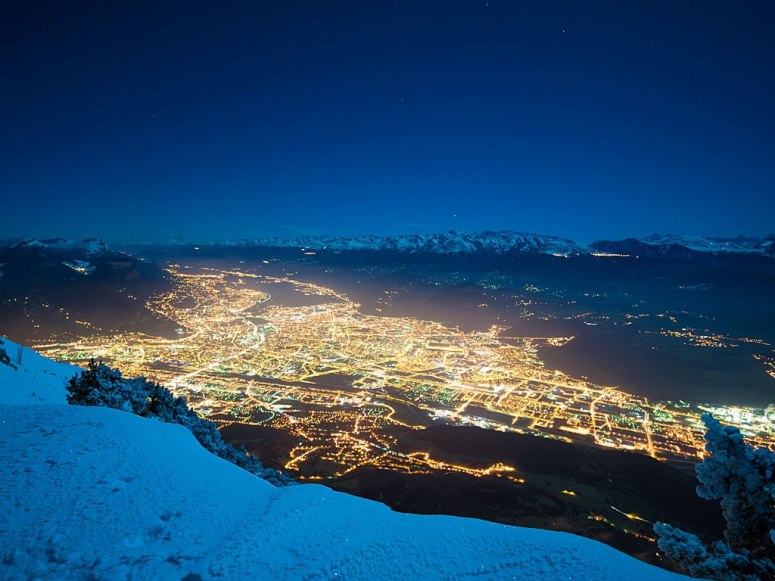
{"points": [[337, 379]]}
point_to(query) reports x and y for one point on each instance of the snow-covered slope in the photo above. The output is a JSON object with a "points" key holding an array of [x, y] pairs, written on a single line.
{"points": [[96, 492], [26, 377]]}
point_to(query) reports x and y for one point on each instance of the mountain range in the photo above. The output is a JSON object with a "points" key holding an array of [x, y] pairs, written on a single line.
{"points": [[94, 255], [513, 243]]}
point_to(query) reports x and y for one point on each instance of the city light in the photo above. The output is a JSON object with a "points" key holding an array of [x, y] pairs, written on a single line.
{"points": [[336, 378]]}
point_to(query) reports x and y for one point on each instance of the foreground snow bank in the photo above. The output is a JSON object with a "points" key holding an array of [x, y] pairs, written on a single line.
{"points": [[95, 491], [27, 377]]}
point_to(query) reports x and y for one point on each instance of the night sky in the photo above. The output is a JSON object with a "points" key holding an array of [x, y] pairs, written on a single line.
{"points": [[139, 121]]}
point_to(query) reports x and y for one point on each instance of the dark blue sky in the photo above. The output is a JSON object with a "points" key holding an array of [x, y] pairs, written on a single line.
{"points": [[137, 121]]}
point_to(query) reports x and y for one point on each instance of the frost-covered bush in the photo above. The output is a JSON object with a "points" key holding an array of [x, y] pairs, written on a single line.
{"points": [[743, 479], [714, 561], [100, 385]]}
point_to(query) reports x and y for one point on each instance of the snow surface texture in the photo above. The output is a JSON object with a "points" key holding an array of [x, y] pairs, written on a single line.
{"points": [[96, 491], [93, 492], [26, 377]]}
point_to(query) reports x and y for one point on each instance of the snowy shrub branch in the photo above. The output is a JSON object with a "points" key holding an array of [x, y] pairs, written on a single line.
{"points": [[743, 479]]}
